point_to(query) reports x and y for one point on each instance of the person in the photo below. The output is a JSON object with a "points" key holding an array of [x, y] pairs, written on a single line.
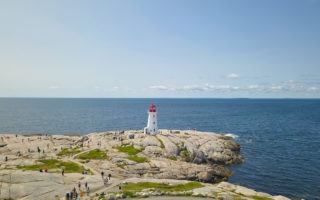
{"points": [[102, 174], [46, 170], [119, 187], [105, 181], [86, 184], [41, 170], [79, 185], [6, 158], [62, 172], [88, 191], [67, 196], [109, 175], [74, 191], [39, 150]]}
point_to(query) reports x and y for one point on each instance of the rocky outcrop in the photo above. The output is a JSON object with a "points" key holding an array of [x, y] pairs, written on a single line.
{"points": [[179, 155]]}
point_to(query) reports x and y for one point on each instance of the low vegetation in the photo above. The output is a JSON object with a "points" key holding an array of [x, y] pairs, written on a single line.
{"points": [[69, 151], [137, 187], [132, 153], [172, 158], [185, 154], [260, 198], [54, 165], [129, 149], [138, 159], [161, 143], [95, 154]]}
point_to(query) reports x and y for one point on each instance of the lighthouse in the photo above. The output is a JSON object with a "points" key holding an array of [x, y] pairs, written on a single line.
{"points": [[152, 126]]}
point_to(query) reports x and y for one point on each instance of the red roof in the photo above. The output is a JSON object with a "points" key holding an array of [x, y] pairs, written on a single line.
{"points": [[152, 108]]}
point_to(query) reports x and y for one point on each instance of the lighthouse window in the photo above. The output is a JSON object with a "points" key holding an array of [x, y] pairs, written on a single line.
{"points": [[153, 115]]}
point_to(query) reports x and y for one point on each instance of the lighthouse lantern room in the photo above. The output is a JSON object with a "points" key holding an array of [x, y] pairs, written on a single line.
{"points": [[152, 126]]}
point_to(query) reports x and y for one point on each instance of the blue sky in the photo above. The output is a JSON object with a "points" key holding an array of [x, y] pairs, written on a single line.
{"points": [[167, 48]]}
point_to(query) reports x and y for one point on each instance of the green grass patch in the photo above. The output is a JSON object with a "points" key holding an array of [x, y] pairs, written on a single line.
{"points": [[69, 151], [161, 143], [132, 153], [138, 159], [95, 154], [260, 198], [136, 187], [172, 158], [129, 149], [185, 154], [54, 166]]}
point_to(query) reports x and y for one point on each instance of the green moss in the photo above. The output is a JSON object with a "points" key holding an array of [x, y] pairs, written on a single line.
{"points": [[185, 154], [129, 149], [69, 151], [260, 198], [96, 154], [136, 187], [129, 194], [161, 143], [138, 159], [172, 158], [237, 197], [132, 153], [54, 166]]}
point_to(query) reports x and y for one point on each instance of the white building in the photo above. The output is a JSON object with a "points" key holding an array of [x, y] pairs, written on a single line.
{"points": [[152, 126]]}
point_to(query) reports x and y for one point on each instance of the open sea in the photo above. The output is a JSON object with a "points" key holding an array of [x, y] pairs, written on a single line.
{"points": [[279, 138]]}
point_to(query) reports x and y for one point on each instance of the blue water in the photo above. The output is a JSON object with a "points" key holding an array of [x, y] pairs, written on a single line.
{"points": [[280, 139]]}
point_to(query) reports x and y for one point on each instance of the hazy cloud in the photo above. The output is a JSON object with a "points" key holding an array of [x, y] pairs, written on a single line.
{"points": [[232, 76], [287, 86]]}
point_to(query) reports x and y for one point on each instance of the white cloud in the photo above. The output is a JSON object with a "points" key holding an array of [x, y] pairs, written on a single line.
{"points": [[312, 89], [287, 86], [232, 76], [159, 87]]}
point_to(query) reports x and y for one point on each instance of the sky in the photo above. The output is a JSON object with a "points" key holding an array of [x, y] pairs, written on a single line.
{"points": [[160, 48]]}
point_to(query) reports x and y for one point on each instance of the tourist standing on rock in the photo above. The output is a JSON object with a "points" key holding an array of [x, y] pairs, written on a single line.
{"points": [[105, 181], [102, 174], [67, 196], [88, 191], [86, 184], [62, 172], [109, 176], [79, 185]]}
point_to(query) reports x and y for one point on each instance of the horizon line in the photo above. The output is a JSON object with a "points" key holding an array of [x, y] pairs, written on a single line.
{"points": [[311, 98]]}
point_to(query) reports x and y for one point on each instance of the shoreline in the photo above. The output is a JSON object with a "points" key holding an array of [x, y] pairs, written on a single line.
{"points": [[178, 156]]}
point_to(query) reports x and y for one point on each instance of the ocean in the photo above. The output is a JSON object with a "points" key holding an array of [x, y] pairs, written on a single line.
{"points": [[279, 138]]}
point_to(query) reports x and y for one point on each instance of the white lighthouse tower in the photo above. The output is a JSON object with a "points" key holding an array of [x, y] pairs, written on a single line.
{"points": [[152, 126]]}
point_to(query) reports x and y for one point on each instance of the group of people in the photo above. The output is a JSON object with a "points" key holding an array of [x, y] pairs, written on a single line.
{"points": [[45, 170], [105, 179], [76, 194]]}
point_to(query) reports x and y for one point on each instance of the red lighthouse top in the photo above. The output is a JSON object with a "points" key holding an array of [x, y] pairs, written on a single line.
{"points": [[152, 108]]}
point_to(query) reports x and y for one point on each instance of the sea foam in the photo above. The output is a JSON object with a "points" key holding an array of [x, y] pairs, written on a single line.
{"points": [[234, 136]]}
